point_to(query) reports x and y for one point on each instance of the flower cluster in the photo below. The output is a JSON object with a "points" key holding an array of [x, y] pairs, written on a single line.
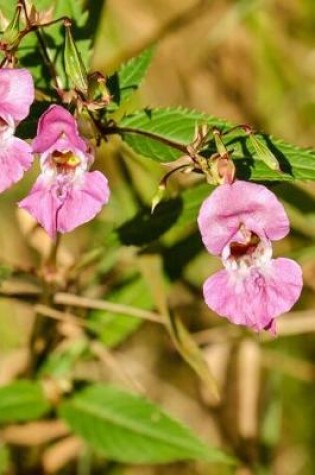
{"points": [[16, 97], [238, 222], [66, 194]]}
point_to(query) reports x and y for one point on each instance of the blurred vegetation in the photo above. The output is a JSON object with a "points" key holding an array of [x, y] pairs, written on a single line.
{"points": [[248, 61]]}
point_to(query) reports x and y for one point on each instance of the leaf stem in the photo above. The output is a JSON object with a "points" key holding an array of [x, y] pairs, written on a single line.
{"points": [[112, 130]]}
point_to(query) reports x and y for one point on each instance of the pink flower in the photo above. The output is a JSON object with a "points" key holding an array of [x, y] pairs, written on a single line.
{"points": [[66, 194], [238, 222], [16, 97]]}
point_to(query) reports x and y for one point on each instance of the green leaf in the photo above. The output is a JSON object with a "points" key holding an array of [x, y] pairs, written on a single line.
{"points": [[264, 153], [176, 212], [4, 459], [74, 66], [178, 125], [176, 218], [114, 328], [29, 52], [130, 429], [5, 272], [152, 269], [61, 362], [28, 127], [192, 354], [7, 9], [129, 77], [22, 401]]}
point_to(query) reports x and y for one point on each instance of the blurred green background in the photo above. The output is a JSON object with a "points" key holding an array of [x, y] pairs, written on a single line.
{"points": [[249, 61]]}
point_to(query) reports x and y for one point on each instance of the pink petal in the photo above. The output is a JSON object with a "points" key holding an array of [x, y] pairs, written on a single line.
{"points": [[80, 203], [7, 128], [43, 204], [15, 158], [16, 93], [83, 203], [240, 203], [258, 297], [57, 123]]}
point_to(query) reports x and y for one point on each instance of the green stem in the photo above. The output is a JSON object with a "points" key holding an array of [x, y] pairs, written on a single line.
{"points": [[42, 43], [44, 334], [52, 257], [104, 130], [116, 130], [47, 60]]}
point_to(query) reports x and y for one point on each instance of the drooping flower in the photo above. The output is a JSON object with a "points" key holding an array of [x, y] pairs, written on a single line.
{"points": [[66, 194], [16, 97], [238, 223]]}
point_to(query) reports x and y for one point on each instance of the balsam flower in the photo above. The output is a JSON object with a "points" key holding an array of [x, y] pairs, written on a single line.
{"points": [[16, 97], [66, 194], [238, 223]]}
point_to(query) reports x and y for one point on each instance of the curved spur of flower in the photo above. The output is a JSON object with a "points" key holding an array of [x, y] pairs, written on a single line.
{"points": [[66, 194], [16, 97], [238, 222]]}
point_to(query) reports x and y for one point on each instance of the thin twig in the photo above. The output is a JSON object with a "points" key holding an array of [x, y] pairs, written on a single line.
{"points": [[42, 43], [85, 302], [106, 130], [217, 334], [106, 357], [17, 288], [130, 130], [295, 367], [64, 317], [296, 323]]}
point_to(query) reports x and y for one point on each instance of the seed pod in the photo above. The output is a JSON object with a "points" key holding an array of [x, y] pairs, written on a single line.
{"points": [[74, 66]]}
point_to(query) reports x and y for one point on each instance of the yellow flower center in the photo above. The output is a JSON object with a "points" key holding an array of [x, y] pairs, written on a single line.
{"points": [[65, 159]]}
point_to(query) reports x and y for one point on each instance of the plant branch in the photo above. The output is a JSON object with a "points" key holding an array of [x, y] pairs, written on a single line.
{"points": [[109, 360], [47, 60], [64, 317], [116, 130], [42, 43], [85, 302]]}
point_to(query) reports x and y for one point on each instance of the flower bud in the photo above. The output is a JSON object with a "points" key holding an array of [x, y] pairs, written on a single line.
{"points": [[86, 125], [223, 169], [221, 148], [205, 167], [98, 95], [36, 17], [264, 153], [159, 195], [12, 30]]}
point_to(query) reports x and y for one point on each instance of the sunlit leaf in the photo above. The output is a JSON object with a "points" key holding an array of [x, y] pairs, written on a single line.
{"points": [[22, 401], [130, 76], [151, 266], [61, 362], [4, 459], [178, 125], [113, 328], [29, 52], [192, 354], [175, 212], [131, 429]]}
